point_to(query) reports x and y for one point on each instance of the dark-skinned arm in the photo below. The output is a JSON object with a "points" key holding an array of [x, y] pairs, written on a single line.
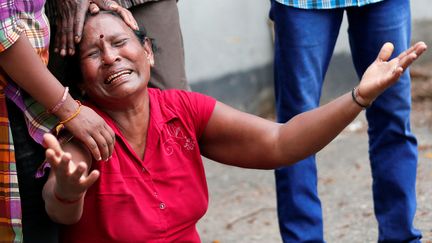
{"points": [[26, 69], [244, 140], [68, 181]]}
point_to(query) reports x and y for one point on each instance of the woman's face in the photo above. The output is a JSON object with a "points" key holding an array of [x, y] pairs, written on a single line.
{"points": [[114, 63]]}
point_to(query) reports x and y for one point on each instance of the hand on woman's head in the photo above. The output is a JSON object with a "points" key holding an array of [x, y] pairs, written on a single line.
{"points": [[71, 17]]}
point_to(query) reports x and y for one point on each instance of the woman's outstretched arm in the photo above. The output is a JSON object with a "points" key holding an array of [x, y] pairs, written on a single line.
{"points": [[244, 140]]}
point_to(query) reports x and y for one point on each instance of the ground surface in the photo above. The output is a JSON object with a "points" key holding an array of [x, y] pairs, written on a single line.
{"points": [[242, 202]]}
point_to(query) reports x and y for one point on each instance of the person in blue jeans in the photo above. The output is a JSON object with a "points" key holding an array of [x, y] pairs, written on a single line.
{"points": [[305, 36]]}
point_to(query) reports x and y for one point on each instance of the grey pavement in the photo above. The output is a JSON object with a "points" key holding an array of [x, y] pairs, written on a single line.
{"points": [[242, 201]]}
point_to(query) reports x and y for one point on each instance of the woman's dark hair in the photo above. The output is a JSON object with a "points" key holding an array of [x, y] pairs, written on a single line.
{"points": [[141, 34], [73, 70]]}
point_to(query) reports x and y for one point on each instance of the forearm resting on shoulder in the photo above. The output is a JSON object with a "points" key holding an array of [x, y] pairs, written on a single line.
{"points": [[26, 69]]}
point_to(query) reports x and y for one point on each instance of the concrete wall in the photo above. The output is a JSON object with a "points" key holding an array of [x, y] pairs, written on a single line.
{"points": [[228, 48]]}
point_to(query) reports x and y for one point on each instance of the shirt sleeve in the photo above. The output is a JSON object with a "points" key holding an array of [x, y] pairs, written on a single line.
{"points": [[10, 26], [195, 108], [203, 109]]}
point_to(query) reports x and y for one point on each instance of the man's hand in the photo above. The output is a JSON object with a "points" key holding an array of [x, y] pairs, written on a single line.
{"points": [[72, 180], [70, 21], [383, 73]]}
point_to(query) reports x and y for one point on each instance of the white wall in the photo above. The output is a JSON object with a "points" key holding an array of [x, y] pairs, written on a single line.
{"points": [[229, 36], [224, 36]]}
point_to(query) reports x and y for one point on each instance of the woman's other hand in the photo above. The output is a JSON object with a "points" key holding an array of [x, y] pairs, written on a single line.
{"points": [[72, 179], [383, 73]]}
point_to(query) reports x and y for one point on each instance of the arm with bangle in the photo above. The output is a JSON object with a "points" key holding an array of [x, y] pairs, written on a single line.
{"points": [[25, 68], [68, 181], [248, 141]]}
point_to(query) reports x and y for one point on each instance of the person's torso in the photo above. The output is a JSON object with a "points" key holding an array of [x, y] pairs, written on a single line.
{"points": [[156, 199]]}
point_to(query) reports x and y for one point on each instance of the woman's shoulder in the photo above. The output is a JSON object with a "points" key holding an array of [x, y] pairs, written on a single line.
{"points": [[174, 99], [176, 95]]}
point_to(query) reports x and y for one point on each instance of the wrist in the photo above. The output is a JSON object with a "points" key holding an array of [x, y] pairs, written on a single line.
{"points": [[68, 108], [61, 125], [65, 200], [358, 99]]}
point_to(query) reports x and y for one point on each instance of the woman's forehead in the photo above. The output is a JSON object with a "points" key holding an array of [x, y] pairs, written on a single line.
{"points": [[105, 25], [105, 22]]}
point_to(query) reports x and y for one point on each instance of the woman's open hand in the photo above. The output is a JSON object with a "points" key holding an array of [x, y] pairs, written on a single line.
{"points": [[72, 179], [383, 73]]}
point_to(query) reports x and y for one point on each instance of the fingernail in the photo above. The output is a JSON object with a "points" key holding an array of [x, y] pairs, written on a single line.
{"points": [[56, 50], [77, 38], [63, 52], [71, 51]]}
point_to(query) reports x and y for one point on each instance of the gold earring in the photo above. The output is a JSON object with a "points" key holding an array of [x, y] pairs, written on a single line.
{"points": [[150, 61]]}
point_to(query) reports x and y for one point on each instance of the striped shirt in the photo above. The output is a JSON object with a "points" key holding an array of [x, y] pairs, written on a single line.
{"points": [[18, 17], [326, 4]]}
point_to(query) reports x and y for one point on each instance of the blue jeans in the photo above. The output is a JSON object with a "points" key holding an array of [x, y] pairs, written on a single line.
{"points": [[304, 44]]}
